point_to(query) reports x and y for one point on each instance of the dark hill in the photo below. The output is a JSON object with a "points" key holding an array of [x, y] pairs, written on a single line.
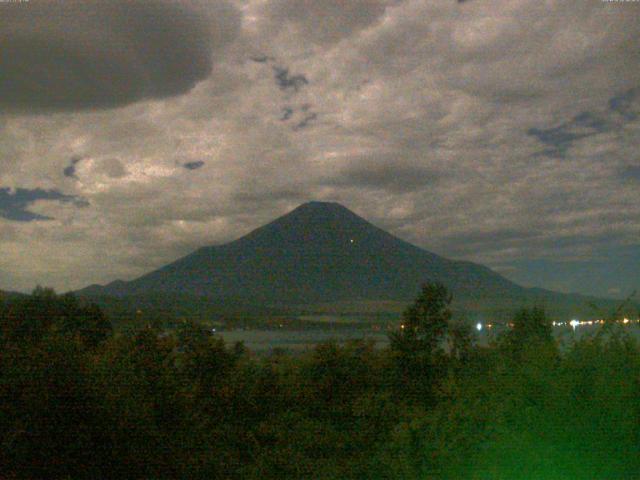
{"points": [[7, 295], [321, 253]]}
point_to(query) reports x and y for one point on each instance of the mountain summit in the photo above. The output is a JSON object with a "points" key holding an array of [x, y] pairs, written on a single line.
{"points": [[318, 252]]}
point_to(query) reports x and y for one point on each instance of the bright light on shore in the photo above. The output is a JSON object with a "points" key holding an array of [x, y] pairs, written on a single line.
{"points": [[579, 323]]}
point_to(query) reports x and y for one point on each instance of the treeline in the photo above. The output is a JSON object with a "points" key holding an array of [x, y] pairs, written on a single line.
{"points": [[77, 401]]}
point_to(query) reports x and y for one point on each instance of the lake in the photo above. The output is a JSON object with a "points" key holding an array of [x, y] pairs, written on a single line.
{"points": [[262, 341]]}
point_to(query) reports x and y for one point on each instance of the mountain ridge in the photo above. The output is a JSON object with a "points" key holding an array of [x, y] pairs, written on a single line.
{"points": [[321, 252]]}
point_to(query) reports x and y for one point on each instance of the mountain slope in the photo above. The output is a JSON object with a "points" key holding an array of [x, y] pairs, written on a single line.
{"points": [[7, 295], [319, 252]]}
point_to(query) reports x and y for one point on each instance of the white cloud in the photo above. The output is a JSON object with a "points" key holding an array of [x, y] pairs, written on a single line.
{"points": [[438, 94]]}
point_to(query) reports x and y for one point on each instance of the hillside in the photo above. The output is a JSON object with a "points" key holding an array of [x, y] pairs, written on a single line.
{"points": [[323, 253]]}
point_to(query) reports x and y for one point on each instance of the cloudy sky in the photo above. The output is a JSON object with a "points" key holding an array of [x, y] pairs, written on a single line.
{"points": [[502, 132]]}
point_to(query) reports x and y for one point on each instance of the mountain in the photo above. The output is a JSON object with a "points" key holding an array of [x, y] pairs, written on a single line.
{"points": [[319, 253], [8, 295]]}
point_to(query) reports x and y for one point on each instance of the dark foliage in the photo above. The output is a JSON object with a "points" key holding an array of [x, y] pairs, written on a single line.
{"points": [[77, 401], [417, 346], [529, 328]]}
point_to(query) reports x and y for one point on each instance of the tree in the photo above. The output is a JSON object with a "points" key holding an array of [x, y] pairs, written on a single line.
{"points": [[531, 327], [417, 345], [32, 318], [426, 322], [461, 341]]}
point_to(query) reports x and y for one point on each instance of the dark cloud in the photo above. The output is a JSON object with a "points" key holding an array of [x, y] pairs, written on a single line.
{"points": [[287, 113], [91, 54], [306, 121], [193, 165], [70, 171], [261, 59], [559, 139], [627, 104], [303, 117], [13, 205], [286, 81]]}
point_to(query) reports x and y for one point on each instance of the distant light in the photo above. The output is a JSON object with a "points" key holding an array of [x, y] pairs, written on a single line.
{"points": [[479, 326], [626, 320], [351, 240], [574, 323]]}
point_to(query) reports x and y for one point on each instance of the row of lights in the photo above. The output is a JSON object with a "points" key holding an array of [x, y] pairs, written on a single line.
{"points": [[479, 326], [577, 323], [573, 323]]}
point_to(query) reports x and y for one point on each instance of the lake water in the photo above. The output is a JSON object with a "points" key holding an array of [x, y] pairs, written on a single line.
{"points": [[261, 341], [297, 340]]}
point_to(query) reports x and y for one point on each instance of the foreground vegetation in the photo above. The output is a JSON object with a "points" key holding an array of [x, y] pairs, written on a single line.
{"points": [[77, 401]]}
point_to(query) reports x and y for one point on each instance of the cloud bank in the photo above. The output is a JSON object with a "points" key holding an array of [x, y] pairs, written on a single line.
{"points": [[85, 54], [505, 132]]}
